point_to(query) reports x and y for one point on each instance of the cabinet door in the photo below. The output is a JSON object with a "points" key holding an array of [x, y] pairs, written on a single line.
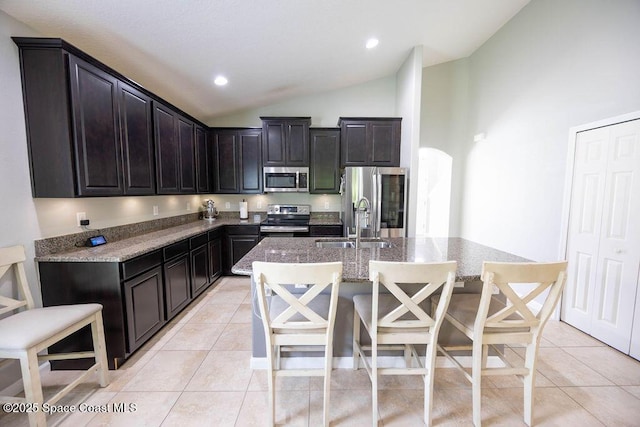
{"points": [[167, 151], [237, 247], [96, 140], [203, 161], [144, 303], [250, 161], [225, 157], [325, 161], [137, 141], [297, 142], [187, 149], [384, 143], [273, 149], [177, 284], [285, 142], [199, 270], [215, 259], [354, 144]]}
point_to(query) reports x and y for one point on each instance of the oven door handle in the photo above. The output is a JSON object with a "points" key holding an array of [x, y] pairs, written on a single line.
{"points": [[283, 229]]}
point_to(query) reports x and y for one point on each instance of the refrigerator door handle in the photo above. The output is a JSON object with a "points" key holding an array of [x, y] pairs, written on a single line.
{"points": [[377, 203]]}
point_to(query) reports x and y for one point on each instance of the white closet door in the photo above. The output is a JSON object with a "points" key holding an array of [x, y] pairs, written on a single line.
{"points": [[604, 234], [619, 255], [585, 219]]}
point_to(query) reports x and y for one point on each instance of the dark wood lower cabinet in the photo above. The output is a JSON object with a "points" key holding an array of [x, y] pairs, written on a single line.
{"points": [[215, 255], [139, 296], [177, 284], [239, 239], [199, 269], [144, 303]]}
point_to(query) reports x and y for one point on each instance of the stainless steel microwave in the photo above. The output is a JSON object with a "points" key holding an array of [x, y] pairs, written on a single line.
{"points": [[286, 179]]}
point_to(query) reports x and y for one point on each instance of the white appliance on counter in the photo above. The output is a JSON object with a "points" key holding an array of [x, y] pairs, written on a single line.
{"points": [[386, 190]]}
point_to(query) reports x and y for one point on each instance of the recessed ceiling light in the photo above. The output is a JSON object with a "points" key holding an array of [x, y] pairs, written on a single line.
{"points": [[371, 43], [221, 81]]}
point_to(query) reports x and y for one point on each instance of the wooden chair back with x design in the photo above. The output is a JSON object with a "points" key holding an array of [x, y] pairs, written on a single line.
{"points": [[489, 321], [298, 321], [395, 320]]}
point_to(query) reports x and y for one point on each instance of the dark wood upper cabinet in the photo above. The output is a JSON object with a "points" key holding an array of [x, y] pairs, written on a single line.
{"points": [[204, 162], [237, 160], [225, 161], [137, 141], [285, 141], [187, 146], [95, 123], [91, 131], [175, 151], [250, 161], [167, 152], [324, 151], [370, 141]]}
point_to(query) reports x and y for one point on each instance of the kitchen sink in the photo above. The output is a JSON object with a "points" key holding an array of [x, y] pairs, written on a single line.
{"points": [[368, 244]]}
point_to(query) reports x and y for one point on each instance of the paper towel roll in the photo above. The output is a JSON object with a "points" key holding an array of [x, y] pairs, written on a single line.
{"points": [[244, 211]]}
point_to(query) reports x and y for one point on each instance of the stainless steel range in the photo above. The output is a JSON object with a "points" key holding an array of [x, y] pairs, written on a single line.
{"points": [[286, 221]]}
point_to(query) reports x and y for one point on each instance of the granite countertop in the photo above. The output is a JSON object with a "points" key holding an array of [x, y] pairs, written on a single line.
{"points": [[469, 255], [325, 220], [125, 249]]}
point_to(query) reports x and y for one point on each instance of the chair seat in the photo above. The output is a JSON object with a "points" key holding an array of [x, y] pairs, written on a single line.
{"points": [[386, 303], [28, 328], [464, 308]]}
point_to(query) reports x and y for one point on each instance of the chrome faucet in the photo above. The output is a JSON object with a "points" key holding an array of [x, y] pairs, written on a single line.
{"points": [[359, 211]]}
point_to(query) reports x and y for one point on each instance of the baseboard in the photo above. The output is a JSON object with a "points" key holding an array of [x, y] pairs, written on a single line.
{"points": [[347, 362]]}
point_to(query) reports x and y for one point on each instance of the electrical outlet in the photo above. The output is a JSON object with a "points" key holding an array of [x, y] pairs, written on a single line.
{"points": [[155, 210], [259, 204], [188, 206], [326, 205], [458, 285], [80, 216], [227, 205]]}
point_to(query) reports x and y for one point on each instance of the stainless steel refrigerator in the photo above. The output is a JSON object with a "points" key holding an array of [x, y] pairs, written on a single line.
{"points": [[386, 190]]}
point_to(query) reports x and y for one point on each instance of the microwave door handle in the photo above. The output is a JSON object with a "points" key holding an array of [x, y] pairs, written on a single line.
{"points": [[297, 184]]}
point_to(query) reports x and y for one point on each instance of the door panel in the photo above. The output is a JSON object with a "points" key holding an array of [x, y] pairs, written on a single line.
{"points": [[619, 252], [603, 247], [584, 227]]}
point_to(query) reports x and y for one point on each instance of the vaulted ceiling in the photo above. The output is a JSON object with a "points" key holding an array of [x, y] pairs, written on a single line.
{"points": [[268, 50]]}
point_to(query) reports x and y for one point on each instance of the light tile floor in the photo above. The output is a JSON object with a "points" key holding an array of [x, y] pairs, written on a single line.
{"points": [[196, 372]]}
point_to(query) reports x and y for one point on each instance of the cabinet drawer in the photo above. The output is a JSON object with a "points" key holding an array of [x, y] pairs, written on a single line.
{"points": [[140, 264], [197, 241], [176, 249], [245, 230], [216, 234], [325, 230]]}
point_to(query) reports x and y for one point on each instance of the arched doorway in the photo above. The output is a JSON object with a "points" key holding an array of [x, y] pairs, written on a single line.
{"points": [[434, 193]]}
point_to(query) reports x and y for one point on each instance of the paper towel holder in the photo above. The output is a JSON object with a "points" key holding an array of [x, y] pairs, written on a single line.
{"points": [[244, 211]]}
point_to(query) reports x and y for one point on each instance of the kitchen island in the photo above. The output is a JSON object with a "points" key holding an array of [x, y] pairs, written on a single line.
{"points": [[355, 275]]}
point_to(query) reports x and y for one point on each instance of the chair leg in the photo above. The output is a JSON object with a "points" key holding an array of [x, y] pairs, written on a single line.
{"points": [[99, 349], [356, 340], [477, 362], [271, 386], [529, 382], [374, 380], [430, 364], [328, 364], [33, 387]]}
